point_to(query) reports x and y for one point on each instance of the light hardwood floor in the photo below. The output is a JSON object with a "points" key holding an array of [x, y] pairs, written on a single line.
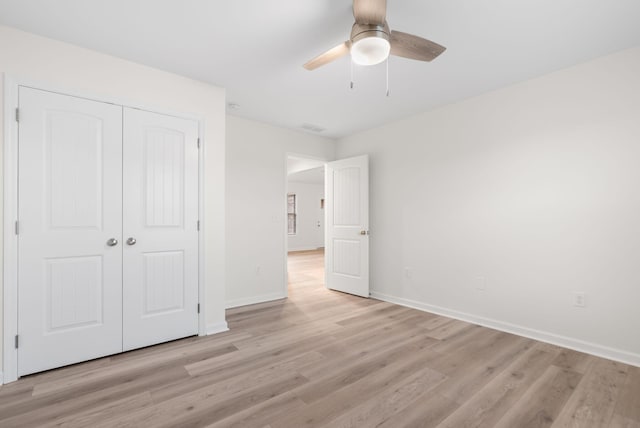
{"points": [[322, 358]]}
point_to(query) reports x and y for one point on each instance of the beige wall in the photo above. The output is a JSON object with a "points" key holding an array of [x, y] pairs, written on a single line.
{"points": [[26, 56], [532, 190], [256, 205], [308, 235]]}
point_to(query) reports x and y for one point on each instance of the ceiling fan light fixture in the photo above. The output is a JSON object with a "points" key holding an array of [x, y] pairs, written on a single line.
{"points": [[370, 49], [371, 40]]}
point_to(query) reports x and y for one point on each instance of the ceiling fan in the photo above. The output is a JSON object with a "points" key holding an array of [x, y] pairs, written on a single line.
{"points": [[372, 41]]}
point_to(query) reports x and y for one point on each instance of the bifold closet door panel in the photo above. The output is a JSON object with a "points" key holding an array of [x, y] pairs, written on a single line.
{"points": [[160, 248], [69, 211]]}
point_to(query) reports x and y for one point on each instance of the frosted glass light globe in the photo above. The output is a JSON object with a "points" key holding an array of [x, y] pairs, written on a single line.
{"points": [[370, 50]]}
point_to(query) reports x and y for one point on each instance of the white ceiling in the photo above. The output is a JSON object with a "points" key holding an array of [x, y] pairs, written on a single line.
{"points": [[312, 176], [295, 164], [255, 48]]}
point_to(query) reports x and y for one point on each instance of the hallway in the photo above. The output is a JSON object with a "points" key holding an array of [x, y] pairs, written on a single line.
{"points": [[306, 268]]}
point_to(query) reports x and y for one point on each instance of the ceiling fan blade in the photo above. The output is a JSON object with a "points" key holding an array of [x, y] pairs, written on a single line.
{"points": [[331, 55], [372, 12], [414, 47]]}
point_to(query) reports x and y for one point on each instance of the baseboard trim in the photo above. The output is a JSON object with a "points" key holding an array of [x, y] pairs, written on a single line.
{"points": [[293, 250], [542, 336], [255, 299], [217, 328]]}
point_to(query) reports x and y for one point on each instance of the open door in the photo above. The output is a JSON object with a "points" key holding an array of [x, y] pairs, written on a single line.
{"points": [[347, 225]]}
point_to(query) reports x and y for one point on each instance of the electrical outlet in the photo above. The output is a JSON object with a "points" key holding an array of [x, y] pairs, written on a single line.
{"points": [[579, 299], [408, 272], [481, 283], [257, 270]]}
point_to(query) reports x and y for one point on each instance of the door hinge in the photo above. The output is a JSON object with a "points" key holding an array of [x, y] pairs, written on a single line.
{"points": [[17, 230], [17, 114], [16, 341], [198, 307], [198, 225], [198, 142]]}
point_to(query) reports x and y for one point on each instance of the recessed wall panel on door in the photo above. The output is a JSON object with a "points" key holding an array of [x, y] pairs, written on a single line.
{"points": [[70, 206], [160, 277]]}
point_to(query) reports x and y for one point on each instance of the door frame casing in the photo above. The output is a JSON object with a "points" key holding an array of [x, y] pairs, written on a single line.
{"points": [[10, 210]]}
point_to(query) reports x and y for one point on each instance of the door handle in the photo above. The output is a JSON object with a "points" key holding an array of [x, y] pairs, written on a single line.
{"points": [[131, 241], [364, 232], [112, 242]]}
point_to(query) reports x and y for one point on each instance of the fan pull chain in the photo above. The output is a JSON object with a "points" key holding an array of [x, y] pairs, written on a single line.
{"points": [[351, 84], [387, 76]]}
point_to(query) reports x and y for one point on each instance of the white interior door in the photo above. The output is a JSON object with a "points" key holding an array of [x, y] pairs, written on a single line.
{"points": [[160, 268], [347, 225], [70, 206]]}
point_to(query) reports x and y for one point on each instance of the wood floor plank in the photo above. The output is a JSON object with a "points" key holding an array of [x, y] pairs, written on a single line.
{"points": [[240, 362], [592, 403], [449, 329], [16, 391], [542, 403], [628, 403], [107, 411], [353, 371], [219, 409], [389, 401], [366, 318], [479, 353], [285, 337], [435, 322], [569, 359], [71, 370], [254, 416], [619, 421], [427, 411], [40, 410], [324, 358], [484, 409], [176, 357], [332, 405], [207, 406], [359, 347], [468, 340], [475, 373], [229, 384]]}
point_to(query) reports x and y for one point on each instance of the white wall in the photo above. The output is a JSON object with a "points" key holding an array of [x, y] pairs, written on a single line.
{"points": [[308, 235], [256, 205], [536, 188], [26, 56]]}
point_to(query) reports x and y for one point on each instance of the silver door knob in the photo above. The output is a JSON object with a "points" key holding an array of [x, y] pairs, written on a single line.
{"points": [[363, 232], [112, 242], [131, 241]]}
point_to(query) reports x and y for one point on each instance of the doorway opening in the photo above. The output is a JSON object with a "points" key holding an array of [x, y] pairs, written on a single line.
{"points": [[341, 223], [305, 222], [306, 270]]}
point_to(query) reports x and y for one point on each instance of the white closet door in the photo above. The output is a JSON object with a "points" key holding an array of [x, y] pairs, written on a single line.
{"points": [[70, 183], [160, 262], [347, 229]]}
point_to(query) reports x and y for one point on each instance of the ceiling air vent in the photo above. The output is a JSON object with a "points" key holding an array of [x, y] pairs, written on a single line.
{"points": [[312, 128]]}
